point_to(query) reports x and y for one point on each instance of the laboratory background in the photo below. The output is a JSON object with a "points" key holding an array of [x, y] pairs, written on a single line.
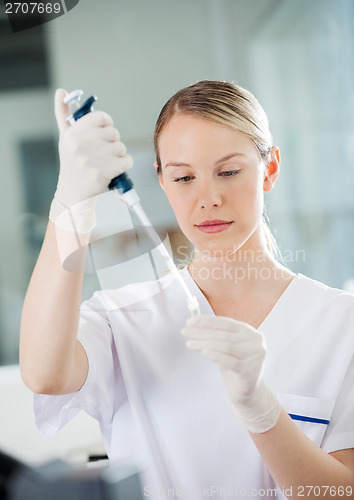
{"points": [[296, 56]]}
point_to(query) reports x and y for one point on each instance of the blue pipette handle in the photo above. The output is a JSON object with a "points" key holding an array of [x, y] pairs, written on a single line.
{"points": [[122, 182], [87, 107]]}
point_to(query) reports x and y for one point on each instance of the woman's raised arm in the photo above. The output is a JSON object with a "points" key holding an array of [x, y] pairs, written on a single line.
{"points": [[91, 154]]}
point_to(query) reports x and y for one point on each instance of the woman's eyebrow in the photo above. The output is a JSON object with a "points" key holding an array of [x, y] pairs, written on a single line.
{"points": [[228, 157], [222, 160], [176, 164]]}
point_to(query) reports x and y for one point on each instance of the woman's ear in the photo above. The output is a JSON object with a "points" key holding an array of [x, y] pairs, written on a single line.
{"points": [[272, 169]]}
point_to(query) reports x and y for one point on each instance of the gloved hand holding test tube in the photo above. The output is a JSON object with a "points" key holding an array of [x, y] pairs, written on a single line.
{"points": [[123, 187]]}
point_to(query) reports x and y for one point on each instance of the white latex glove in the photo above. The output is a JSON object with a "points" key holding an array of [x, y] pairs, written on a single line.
{"points": [[91, 155], [239, 350]]}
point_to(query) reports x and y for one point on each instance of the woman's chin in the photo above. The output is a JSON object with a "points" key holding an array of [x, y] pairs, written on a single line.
{"points": [[227, 249]]}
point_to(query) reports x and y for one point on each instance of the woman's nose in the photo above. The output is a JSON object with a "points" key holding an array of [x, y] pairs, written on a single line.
{"points": [[209, 195]]}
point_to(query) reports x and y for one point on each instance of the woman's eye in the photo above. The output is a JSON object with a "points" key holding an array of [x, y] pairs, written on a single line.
{"points": [[228, 173], [186, 178], [224, 173]]}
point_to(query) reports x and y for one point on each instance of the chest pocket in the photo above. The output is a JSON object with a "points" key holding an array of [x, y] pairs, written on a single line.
{"points": [[311, 415]]}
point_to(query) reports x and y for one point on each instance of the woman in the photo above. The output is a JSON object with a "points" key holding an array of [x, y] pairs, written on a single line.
{"points": [[209, 412]]}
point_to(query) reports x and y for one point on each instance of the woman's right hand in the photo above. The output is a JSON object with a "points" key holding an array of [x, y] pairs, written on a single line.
{"points": [[91, 154]]}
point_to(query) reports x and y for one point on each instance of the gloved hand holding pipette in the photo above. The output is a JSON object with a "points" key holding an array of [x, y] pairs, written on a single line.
{"points": [[95, 153], [91, 154], [239, 350]]}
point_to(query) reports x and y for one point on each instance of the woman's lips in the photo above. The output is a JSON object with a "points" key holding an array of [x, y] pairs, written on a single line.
{"points": [[214, 226]]}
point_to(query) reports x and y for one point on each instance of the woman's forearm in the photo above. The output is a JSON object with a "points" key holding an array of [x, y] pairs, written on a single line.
{"points": [[51, 359], [299, 467]]}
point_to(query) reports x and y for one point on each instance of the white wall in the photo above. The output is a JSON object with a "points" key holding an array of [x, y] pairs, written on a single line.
{"points": [[132, 55]]}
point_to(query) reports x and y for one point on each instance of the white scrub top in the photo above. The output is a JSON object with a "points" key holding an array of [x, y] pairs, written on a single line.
{"points": [[165, 408]]}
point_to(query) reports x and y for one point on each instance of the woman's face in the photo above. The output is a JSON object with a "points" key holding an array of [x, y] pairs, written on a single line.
{"points": [[214, 180]]}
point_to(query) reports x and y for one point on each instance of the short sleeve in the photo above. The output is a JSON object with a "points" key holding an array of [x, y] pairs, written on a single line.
{"points": [[340, 431], [104, 375]]}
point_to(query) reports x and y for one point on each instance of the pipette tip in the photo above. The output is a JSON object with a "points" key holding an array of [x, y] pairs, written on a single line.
{"points": [[193, 306]]}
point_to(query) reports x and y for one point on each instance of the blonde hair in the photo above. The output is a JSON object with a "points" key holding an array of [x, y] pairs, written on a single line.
{"points": [[228, 104]]}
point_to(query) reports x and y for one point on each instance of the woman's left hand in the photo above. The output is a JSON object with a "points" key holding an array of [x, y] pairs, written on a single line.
{"points": [[239, 350]]}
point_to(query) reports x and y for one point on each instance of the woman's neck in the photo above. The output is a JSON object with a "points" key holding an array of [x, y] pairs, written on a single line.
{"points": [[247, 270], [244, 286]]}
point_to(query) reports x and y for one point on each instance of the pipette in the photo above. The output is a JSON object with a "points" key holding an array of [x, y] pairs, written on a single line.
{"points": [[123, 187]]}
